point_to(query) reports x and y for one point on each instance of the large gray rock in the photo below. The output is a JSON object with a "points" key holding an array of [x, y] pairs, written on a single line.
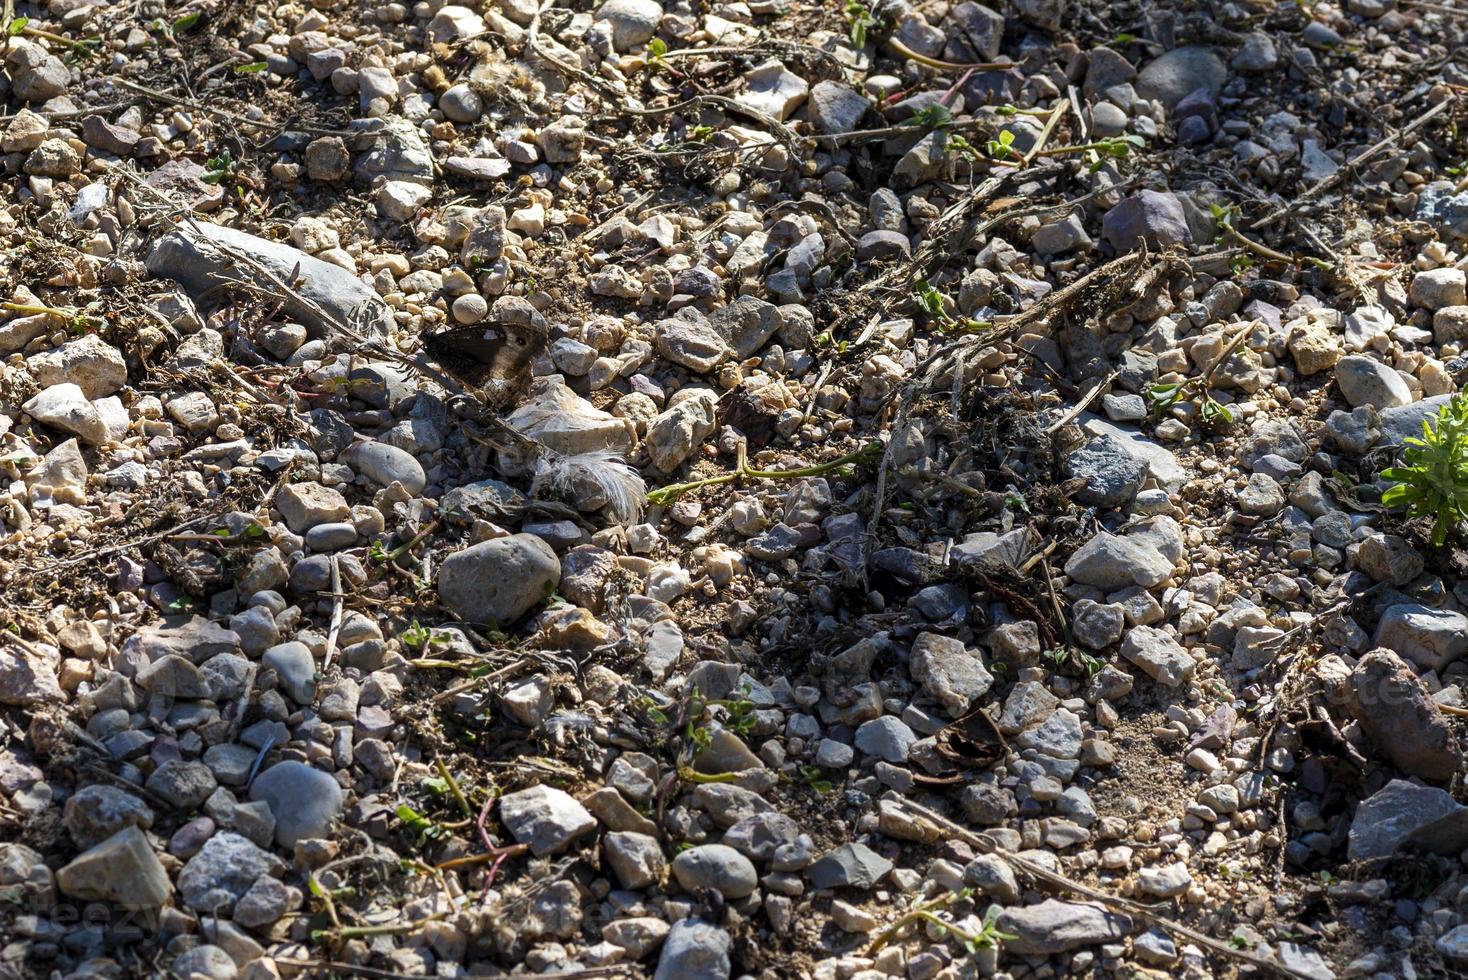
{"points": [[122, 869], [1111, 562], [1162, 466], [222, 871], [385, 464], [948, 672], [632, 22], [1179, 73], [304, 801], [393, 148], [194, 256], [694, 950], [1406, 420], [1112, 473], [95, 813], [1159, 655], [836, 108], [851, 865], [544, 817], [500, 580], [1155, 217], [1053, 927], [1366, 381], [1396, 711], [718, 867], [1403, 816], [1428, 638]]}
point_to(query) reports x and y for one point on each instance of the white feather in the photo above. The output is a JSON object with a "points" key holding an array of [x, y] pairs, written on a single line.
{"points": [[602, 475]]}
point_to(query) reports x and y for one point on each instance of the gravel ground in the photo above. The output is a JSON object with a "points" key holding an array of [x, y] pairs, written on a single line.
{"points": [[681, 490]]}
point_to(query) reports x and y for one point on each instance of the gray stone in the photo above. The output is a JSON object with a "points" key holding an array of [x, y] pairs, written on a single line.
{"points": [[1168, 881], [1257, 54], [1436, 289], [1403, 816], [690, 340], [544, 817], [305, 802], [694, 950], [1397, 712], [222, 871], [1155, 217], [633, 22], [121, 869], [97, 812], [926, 161], [886, 738], [35, 74], [1111, 562], [1366, 381], [1453, 945], [499, 580], [1097, 625], [1428, 638], [296, 669], [638, 935], [1111, 473], [203, 962], [636, 859], [885, 244], [384, 465], [1397, 424], [1179, 73], [948, 672], [1389, 558], [1158, 655], [717, 867], [1054, 927], [195, 257], [1162, 465], [64, 406], [836, 108], [1355, 431], [1261, 496], [184, 783], [758, 835], [852, 865], [390, 147]]}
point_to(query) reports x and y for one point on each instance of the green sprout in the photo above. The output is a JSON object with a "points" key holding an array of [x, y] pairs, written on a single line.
{"points": [[419, 637], [931, 301], [815, 778], [657, 50], [1001, 147], [860, 22], [935, 116]]}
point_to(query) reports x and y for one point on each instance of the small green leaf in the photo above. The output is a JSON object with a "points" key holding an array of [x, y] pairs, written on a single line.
{"points": [[187, 22], [17, 25], [253, 68]]}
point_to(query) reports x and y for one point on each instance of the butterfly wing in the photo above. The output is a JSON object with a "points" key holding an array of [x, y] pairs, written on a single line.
{"points": [[498, 351]]}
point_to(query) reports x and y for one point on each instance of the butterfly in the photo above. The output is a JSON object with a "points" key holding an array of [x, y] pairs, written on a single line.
{"points": [[490, 353]]}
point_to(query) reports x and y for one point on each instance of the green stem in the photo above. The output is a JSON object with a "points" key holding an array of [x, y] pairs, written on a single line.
{"points": [[670, 493], [691, 775], [443, 771]]}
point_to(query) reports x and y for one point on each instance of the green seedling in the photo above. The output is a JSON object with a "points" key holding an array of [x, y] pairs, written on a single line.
{"points": [[935, 116], [815, 778], [657, 50], [860, 23], [422, 638], [1433, 480], [931, 300]]}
